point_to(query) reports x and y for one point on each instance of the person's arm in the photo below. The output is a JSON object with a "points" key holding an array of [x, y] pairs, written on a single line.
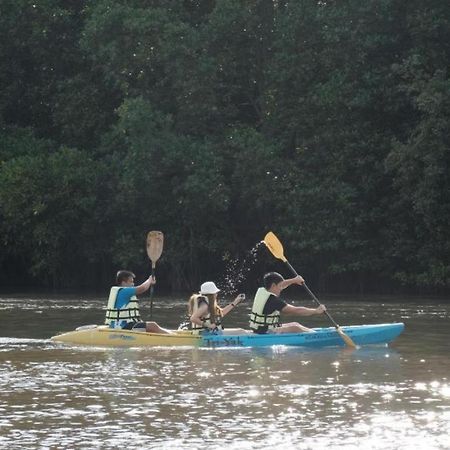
{"points": [[145, 285], [201, 312], [233, 304], [196, 317], [296, 280], [303, 311]]}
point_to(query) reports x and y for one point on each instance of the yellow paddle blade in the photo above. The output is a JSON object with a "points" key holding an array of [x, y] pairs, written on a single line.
{"points": [[155, 242], [346, 338], [274, 245]]}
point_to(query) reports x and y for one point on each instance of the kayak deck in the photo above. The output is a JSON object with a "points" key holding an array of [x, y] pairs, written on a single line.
{"points": [[104, 336], [321, 337]]}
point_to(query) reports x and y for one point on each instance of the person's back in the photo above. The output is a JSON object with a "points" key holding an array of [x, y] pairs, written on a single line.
{"points": [[267, 306], [204, 311], [123, 305], [199, 313], [265, 314]]}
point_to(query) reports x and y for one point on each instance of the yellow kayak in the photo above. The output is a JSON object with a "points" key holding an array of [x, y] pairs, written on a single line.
{"points": [[104, 336]]}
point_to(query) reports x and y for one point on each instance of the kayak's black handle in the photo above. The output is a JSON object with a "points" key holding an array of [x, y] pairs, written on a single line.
{"points": [[311, 294]]}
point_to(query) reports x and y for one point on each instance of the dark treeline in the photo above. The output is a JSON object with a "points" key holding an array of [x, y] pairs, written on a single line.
{"points": [[327, 122]]}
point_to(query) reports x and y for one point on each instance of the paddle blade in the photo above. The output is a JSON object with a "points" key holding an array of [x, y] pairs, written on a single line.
{"points": [[274, 245], [155, 243], [346, 338]]}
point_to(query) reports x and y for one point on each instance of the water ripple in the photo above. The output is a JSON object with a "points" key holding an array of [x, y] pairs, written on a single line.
{"points": [[57, 397]]}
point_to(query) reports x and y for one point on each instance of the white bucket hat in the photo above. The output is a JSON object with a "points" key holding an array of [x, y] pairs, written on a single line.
{"points": [[208, 288]]}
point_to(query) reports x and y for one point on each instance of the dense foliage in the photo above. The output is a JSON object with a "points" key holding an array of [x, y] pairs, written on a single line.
{"points": [[216, 121]]}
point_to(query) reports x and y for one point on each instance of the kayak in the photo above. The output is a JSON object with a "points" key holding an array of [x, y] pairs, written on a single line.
{"points": [[103, 336]]}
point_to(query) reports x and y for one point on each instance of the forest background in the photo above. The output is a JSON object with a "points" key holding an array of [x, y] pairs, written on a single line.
{"points": [[327, 122]]}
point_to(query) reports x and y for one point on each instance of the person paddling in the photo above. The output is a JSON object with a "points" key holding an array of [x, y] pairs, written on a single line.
{"points": [[204, 312], [267, 306], [123, 307]]}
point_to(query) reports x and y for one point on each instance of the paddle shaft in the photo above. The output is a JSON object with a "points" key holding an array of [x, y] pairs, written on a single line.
{"points": [[151, 291], [311, 293]]}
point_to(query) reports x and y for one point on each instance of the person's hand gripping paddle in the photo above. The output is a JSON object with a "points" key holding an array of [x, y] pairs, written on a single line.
{"points": [[276, 248], [155, 243]]}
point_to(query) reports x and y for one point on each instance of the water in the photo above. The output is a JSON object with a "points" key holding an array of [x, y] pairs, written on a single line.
{"points": [[237, 270], [56, 397]]}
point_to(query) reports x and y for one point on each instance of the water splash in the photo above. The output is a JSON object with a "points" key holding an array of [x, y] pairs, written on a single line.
{"points": [[236, 271]]}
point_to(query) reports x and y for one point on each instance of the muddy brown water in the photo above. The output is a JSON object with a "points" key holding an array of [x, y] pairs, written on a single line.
{"points": [[61, 397]]}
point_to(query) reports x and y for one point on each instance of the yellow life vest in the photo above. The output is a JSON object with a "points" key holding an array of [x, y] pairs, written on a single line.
{"points": [[117, 318], [257, 318], [206, 320]]}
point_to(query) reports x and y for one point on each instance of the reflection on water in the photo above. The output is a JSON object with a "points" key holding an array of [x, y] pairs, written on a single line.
{"points": [[66, 397]]}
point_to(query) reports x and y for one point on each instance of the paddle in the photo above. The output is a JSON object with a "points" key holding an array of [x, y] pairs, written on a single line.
{"points": [[155, 242], [276, 248]]}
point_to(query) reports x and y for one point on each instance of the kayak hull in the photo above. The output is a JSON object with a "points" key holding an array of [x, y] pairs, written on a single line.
{"points": [[321, 337], [104, 336]]}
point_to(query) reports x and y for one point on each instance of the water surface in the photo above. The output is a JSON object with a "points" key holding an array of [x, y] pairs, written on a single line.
{"points": [[59, 397]]}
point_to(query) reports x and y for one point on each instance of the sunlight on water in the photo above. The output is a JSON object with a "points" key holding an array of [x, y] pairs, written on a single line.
{"points": [[57, 397], [196, 397]]}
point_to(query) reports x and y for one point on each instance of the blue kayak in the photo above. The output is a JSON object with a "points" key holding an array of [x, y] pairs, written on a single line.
{"points": [[321, 337]]}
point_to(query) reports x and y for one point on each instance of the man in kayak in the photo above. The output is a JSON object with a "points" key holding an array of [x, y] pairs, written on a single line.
{"points": [[123, 307], [267, 306]]}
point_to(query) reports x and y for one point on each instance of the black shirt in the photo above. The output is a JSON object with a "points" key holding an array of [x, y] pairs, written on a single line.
{"points": [[273, 303]]}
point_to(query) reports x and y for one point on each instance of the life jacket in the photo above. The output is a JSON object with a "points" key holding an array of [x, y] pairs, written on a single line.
{"points": [[257, 318], [117, 318], [206, 320]]}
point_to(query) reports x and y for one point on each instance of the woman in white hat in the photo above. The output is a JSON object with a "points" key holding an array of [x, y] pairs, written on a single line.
{"points": [[204, 312]]}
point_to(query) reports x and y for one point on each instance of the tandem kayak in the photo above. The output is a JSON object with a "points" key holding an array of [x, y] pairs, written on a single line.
{"points": [[104, 336]]}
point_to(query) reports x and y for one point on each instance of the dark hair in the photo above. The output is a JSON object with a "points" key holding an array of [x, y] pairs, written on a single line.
{"points": [[123, 275], [272, 278]]}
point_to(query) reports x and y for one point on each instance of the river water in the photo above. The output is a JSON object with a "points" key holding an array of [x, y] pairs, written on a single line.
{"points": [[58, 397]]}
